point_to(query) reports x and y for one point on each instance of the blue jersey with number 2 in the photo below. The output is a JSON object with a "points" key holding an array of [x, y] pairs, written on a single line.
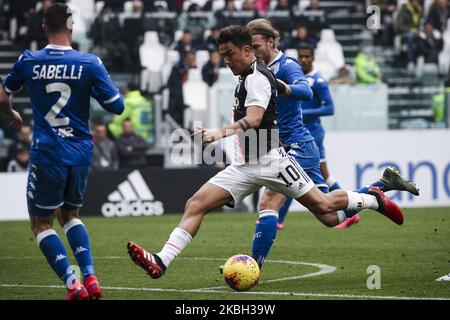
{"points": [[61, 81]]}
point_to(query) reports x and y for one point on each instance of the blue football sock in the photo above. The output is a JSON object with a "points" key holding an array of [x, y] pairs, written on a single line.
{"points": [[378, 184], [265, 234], [284, 210], [335, 186], [78, 238], [332, 183], [53, 249]]}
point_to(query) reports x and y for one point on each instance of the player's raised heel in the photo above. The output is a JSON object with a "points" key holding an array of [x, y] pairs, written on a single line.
{"points": [[77, 292], [394, 181], [151, 263], [93, 287], [387, 207]]}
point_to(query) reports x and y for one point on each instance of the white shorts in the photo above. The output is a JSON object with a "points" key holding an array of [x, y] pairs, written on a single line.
{"points": [[276, 170]]}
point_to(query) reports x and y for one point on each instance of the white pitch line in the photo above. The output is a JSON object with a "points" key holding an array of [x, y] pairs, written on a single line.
{"points": [[323, 269], [301, 294]]}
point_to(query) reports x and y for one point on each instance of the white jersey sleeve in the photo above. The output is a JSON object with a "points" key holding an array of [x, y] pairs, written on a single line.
{"points": [[258, 90]]}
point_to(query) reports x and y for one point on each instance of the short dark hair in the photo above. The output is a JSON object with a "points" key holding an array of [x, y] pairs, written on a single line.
{"points": [[237, 35], [55, 18], [306, 46]]}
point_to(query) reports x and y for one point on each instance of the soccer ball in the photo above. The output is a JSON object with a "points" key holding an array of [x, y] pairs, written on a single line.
{"points": [[241, 272]]}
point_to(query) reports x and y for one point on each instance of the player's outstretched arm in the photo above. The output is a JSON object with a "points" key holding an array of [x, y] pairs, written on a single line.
{"points": [[252, 120], [326, 102]]}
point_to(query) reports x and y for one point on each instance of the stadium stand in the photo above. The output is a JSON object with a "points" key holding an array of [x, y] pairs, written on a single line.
{"points": [[121, 32]]}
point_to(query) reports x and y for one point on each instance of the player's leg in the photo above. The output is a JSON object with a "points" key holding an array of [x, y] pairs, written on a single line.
{"points": [[45, 194], [330, 180], [330, 208], [334, 207], [266, 228], [75, 230], [228, 186], [282, 213]]}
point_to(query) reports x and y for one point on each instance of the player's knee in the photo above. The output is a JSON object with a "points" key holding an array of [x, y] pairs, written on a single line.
{"points": [[65, 216], [38, 228], [194, 206], [263, 203]]}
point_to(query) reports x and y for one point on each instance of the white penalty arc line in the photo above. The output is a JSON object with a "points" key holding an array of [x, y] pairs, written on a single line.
{"points": [[300, 294], [323, 269]]}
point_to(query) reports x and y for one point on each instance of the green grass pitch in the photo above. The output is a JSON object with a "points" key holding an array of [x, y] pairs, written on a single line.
{"points": [[307, 261]]}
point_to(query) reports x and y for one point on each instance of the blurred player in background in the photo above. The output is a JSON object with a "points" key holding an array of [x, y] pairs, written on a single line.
{"points": [[295, 136], [322, 105], [61, 81], [254, 111]]}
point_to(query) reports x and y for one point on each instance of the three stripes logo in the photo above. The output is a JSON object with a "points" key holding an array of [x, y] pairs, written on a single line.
{"points": [[132, 198]]}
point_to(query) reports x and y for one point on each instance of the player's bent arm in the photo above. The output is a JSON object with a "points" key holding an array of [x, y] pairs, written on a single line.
{"points": [[114, 104], [7, 111], [326, 103], [295, 83], [301, 90], [252, 119]]}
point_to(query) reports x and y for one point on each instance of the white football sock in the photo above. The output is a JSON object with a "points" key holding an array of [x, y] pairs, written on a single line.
{"points": [[359, 201], [178, 240], [341, 216]]}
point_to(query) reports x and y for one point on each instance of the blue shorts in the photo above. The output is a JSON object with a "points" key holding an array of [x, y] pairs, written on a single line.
{"points": [[319, 134], [308, 156], [51, 187]]}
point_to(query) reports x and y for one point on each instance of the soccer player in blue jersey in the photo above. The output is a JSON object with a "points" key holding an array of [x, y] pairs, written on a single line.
{"points": [[61, 81], [322, 105], [293, 88]]}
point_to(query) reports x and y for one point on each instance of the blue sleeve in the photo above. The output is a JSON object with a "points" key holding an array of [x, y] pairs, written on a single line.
{"points": [[294, 77], [14, 80], [104, 90], [326, 106]]}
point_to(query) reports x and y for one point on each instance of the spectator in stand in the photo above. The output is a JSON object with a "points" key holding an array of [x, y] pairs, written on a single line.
{"points": [[366, 68], [315, 17], [23, 138], [282, 5], [262, 6], [131, 147], [195, 21], [408, 22], [285, 40], [21, 11], [105, 152], [184, 45], [304, 37], [138, 110], [34, 28], [133, 33], [211, 41], [177, 78], [109, 41], [429, 43], [281, 17], [210, 71], [21, 159], [385, 36], [344, 77], [439, 14], [223, 16]]}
